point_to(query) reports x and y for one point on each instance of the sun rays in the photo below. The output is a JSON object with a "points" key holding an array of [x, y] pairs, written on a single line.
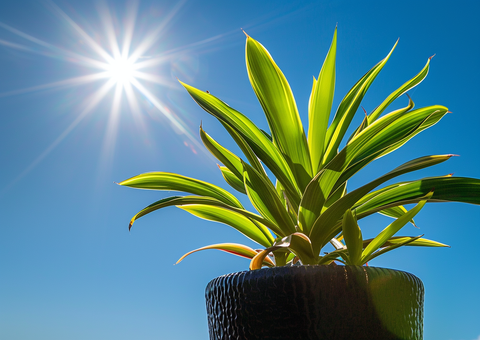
{"points": [[118, 64]]}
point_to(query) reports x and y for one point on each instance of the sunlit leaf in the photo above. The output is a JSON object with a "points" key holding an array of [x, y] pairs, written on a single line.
{"points": [[247, 227], [175, 182], [348, 108], [447, 189], [232, 180], [326, 226], [393, 228], [187, 200], [278, 103], [398, 92], [256, 139], [320, 105], [228, 158]]}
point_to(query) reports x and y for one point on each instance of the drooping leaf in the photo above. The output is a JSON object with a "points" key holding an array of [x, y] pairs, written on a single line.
{"points": [[232, 248], [236, 220], [278, 103], [187, 200], [175, 182], [320, 105]]}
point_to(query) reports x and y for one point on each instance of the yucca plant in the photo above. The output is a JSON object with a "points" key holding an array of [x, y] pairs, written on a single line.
{"points": [[308, 205]]}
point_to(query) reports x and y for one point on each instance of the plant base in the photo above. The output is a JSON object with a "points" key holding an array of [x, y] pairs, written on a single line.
{"points": [[316, 302]]}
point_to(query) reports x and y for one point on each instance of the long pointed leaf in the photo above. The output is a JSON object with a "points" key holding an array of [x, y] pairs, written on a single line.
{"points": [[278, 103], [398, 92], [232, 179], [228, 158], [326, 227], [174, 182], [320, 106], [348, 108], [447, 189], [380, 138], [236, 220], [255, 138], [393, 228], [382, 251], [186, 200], [420, 242]]}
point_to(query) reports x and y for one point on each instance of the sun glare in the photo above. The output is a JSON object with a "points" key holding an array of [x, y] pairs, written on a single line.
{"points": [[126, 65], [121, 70]]}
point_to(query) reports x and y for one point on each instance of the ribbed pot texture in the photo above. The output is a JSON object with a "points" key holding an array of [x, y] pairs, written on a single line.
{"points": [[316, 302]]}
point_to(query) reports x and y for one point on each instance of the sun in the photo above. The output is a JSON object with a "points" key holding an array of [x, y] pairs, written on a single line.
{"points": [[121, 62], [121, 70]]}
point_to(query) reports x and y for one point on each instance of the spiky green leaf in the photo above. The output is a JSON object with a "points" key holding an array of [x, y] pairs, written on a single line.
{"points": [[278, 103]]}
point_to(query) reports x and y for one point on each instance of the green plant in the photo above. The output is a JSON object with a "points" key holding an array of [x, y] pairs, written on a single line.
{"points": [[308, 205]]}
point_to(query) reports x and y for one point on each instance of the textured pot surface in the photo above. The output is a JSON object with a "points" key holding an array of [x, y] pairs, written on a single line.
{"points": [[316, 302]]}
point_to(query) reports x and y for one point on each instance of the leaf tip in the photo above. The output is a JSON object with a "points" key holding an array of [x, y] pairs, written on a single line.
{"points": [[449, 111], [432, 56], [245, 33]]}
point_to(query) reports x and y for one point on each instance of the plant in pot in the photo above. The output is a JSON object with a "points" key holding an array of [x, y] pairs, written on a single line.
{"points": [[307, 293]]}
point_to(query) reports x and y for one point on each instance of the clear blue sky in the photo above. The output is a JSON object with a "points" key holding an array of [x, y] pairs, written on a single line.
{"points": [[69, 268]]}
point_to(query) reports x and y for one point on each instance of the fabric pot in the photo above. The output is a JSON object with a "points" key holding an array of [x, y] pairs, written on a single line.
{"points": [[316, 302]]}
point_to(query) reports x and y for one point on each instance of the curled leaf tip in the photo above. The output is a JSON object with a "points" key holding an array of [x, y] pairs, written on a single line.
{"points": [[130, 225], [432, 56]]}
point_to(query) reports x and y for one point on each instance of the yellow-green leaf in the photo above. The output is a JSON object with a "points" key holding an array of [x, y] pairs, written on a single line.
{"points": [[278, 103], [320, 106]]}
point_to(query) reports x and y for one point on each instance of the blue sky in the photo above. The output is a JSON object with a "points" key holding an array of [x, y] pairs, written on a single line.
{"points": [[69, 268]]}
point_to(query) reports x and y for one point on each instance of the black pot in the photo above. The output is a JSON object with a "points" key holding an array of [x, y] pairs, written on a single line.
{"points": [[316, 302]]}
